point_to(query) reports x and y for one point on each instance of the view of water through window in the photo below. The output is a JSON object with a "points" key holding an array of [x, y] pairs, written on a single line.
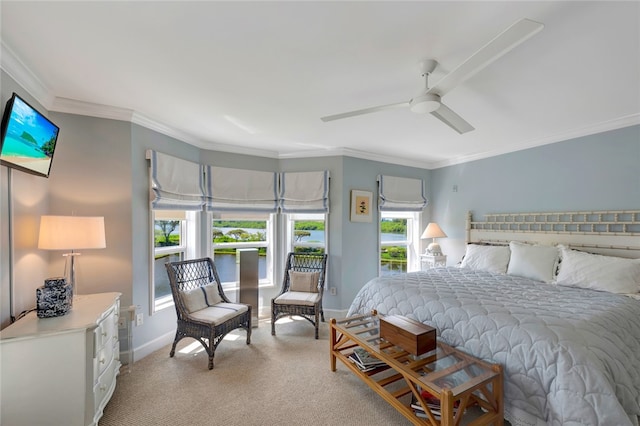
{"points": [[225, 259]]}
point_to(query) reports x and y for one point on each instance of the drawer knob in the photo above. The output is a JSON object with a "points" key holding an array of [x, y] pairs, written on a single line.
{"points": [[104, 334], [102, 360]]}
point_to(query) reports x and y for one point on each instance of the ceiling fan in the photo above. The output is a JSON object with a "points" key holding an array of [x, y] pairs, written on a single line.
{"points": [[430, 98]]}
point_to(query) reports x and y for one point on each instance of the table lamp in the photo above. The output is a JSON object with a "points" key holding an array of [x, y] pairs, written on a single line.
{"points": [[433, 231], [71, 233]]}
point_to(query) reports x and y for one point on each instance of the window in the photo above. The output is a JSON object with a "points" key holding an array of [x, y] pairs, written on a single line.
{"points": [[306, 232], [399, 242], [231, 231], [173, 240]]}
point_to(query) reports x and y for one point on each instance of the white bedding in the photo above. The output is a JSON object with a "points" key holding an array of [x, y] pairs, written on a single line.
{"points": [[570, 355]]}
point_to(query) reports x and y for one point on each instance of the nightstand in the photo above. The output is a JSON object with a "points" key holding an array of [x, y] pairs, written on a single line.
{"points": [[428, 261]]}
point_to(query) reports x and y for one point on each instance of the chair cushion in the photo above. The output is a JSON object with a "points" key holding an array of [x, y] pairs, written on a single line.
{"points": [[304, 281], [297, 298], [201, 297], [218, 314]]}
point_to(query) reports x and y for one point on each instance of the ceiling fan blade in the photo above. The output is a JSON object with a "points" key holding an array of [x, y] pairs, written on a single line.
{"points": [[364, 111], [508, 39], [452, 119]]}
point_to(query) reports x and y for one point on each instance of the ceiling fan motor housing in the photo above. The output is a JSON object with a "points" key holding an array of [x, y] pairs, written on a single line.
{"points": [[427, 102]]}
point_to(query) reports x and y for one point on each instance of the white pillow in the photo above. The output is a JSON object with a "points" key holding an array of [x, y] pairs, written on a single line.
{"points": [[194, 300], [486, 258], [211, 294], [304, 281], [597, 272], [537, 262], [201, 297]]}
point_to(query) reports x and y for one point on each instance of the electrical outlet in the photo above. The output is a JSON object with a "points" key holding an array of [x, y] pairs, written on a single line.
{"points": [[122, 321], [333, 291], [139, 320]]}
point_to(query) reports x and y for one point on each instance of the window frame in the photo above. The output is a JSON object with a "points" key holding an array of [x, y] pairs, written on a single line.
{"points": [[270, 244], [412, 241], [291, 218], [188, 247]]}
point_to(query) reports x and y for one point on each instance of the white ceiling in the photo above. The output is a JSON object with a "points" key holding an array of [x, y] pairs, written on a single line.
{"points": [[192, 69]]}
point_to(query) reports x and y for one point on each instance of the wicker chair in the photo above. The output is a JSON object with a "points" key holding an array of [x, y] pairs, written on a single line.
{"points": [[302, 289], [204, 312]]}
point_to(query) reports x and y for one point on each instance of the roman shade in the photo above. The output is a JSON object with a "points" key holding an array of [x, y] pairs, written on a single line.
{"points": [[401, 194], [176, 183], [179, 184], [236, 190], [304, 192]]}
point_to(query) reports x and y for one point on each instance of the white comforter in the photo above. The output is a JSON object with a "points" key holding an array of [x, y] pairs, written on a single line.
{"points": [[570, 356]]}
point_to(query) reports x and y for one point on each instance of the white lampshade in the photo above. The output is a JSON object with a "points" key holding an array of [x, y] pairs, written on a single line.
{"points": [[71, 232], [433, 231]]}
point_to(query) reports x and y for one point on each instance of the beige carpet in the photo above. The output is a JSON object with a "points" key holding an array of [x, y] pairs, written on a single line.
{"points": [[281, 380]]}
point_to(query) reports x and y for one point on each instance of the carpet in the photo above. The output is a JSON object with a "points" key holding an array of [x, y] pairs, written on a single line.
{"points": [[276, 380]]}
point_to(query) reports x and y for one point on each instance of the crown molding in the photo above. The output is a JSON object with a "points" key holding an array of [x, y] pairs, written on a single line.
{"points": [[17, 70], [72, 106], [604, 126], [182, 136], [347, 152]]}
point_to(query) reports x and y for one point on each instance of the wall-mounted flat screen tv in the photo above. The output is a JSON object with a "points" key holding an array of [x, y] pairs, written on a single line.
{"points": [[28, 138]]}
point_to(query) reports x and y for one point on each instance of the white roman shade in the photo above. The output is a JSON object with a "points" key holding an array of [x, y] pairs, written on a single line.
{"points": [[176, 183], [240, 190], [401, 194], [304, 192]]}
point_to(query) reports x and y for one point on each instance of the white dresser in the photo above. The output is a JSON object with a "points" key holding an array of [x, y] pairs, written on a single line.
{"points": [[62, 370]]}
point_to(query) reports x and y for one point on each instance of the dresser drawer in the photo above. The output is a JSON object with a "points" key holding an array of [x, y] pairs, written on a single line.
{"points": [[105, 332], [105, 385], [103, 359]]}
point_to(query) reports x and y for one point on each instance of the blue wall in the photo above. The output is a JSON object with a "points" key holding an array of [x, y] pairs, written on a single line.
{"points": [[597, 172]]}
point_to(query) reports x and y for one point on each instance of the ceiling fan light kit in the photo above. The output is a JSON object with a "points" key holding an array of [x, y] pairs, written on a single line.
{"points": [[429, 100]]}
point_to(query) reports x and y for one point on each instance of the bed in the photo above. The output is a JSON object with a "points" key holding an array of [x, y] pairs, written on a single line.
{"points": [[553, 297]]}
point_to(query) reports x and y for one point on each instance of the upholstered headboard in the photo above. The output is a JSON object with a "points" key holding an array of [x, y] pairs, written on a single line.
{"points": [[614, 233]]}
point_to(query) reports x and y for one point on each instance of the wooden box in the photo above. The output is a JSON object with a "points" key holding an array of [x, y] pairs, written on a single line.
{"points": [[412, 336]]}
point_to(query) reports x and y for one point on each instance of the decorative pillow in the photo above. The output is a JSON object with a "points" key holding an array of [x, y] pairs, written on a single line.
{"points": [[201, 297], [211, 294], [537, 262], [597, 272], [486, 258], [304, 281], [194, 300]]}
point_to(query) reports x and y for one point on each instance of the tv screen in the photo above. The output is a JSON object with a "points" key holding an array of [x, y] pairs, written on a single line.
{"points": [[28, 138]]}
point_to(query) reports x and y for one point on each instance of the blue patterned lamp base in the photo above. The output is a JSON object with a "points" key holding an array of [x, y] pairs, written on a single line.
{"points": [[54, 298]]}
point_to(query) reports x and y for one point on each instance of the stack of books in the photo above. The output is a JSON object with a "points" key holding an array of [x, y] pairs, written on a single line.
{"points": [[432, 403], [365, 361]]}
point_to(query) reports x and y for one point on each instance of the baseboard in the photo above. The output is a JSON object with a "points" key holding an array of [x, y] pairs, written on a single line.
{"points": [[152, 346], [166, 339], [335, 313]]}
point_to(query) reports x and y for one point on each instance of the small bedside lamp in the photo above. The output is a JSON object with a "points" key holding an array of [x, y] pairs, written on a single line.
{"points": [[433, 231], [71, 233]]}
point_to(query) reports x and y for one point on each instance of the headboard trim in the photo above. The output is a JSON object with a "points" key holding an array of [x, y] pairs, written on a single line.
{"points": [[612, 232]]}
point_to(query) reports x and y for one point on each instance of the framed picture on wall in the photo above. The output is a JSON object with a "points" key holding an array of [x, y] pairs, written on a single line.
{"points": [[361, 206]]}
